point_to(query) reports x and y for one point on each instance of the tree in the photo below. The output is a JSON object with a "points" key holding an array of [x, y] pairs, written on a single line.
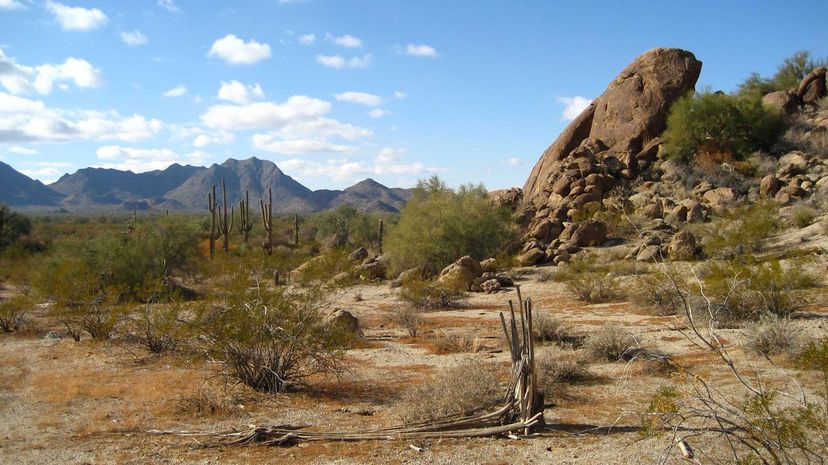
{"points": [[439, 225], [788, 75], [12, 226]]}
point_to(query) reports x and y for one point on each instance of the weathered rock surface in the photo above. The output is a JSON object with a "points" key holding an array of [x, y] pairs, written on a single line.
{"points": [[460, 275], [345, 321]]}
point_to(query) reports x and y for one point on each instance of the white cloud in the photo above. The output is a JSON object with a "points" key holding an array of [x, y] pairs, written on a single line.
{"points": [[24, 120], [388, 155], [75, 18], [11, 5], [347, 41], [313, 136], [177, 91], [573, 106], [169, 5], [264, 114], [141, 160], [362, 98], [511, 161], [134, 38], [238, 52], [339, 62], [22, 150], [219, 138], [421, 50], [377, 113], [342, 169], [46, 171], [21, 79], [236, 92], [307, 39], [400, 95]]}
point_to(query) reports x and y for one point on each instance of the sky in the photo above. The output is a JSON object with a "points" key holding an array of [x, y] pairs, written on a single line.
{"points": [[336, 91]]}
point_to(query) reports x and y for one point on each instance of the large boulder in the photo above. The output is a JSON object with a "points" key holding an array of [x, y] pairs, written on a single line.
{"points": [[630, 113], [345, 321], [812, 87], [460, 275], [783, 101], [683, 246], [720, 198], [586, 233]]}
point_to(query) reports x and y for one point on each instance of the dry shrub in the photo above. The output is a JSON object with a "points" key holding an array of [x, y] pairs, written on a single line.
{"points": [[207, 402], [408, 319], [772, 335], [659, 291], [445, 343], [461, 390], [557, 368], [13, 314], [803, 216], [155, 327], [425, 295], [610, 343], [548, 328], [590, 282]]}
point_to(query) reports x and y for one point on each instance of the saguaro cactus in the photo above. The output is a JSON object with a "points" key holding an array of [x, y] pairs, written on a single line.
{"points": [[245, 225], [212, 205], [225, 223], [267, 222], [380, 231], [296, 230]]}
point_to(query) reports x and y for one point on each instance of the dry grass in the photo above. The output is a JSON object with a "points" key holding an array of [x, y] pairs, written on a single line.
{"points": [[207, 402], [773, 335], [558, 368], [444, 343], [610, 343]]}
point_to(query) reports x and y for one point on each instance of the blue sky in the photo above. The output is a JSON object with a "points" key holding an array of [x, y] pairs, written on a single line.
{"points": [[335, 91]]}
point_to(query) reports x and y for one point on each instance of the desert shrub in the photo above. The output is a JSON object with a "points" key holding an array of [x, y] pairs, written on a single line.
{"points": [[407, 318], [360, 229], [803, 216], [741, 231], [428, 295], [556, 368], [445, 343], [664, 405], [206, 402], [13, 313], [271, 339], [717, 123], [588, 281], [461, 390], [745, 291], [788, 75], [659, 291], [12, 226], [547, 328], [439, 225], [610, 343], [322, 268], [155, 327], [772, 335]]}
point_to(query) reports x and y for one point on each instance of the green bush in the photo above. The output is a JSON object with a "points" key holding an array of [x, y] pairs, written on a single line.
{"points": [[439, 225], [720, 125], [741, 231], [788, 75], [271, 339], [12, 226], [590, 282], [13, 313], [426, 295], [803, 216]]}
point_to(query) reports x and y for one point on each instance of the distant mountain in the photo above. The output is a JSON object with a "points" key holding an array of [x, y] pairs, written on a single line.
{"points": [[18, 189], [185, 188]]}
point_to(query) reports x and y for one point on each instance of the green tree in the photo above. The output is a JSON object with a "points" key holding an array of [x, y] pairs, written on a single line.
{"points": [[12, 226], [439, 225], [788, 75]]}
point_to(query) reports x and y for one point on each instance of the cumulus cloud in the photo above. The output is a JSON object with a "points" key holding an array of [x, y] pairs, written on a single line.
{"points": [[218, 138], [400, 95], [177, 91], [573, 106], [388, 155], [236, 51], [347, 41], [312, 136], [140, 160], [339, 62], [169, 5], [236, 92], [46, 171], [21, 79], [22, 150], [134, 38], [264, 114], [362, 98], [378, 113], [386, 163], [307, 39], [511, 161], [11, 5], [421, 50], [24, 120], [75, 18]]}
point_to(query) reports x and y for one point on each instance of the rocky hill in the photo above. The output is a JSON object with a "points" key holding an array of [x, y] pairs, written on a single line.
{"points": [[185, 188], [18, 189]]}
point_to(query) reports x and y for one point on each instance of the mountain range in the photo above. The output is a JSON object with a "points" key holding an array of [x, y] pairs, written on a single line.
{"points": [[185, 188]]}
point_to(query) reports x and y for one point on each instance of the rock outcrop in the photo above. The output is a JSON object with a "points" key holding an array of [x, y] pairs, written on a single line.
{"points": [[611, 141]]}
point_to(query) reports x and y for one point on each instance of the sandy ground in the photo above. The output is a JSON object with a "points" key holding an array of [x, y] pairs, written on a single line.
{"points": [[91, 403]]}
